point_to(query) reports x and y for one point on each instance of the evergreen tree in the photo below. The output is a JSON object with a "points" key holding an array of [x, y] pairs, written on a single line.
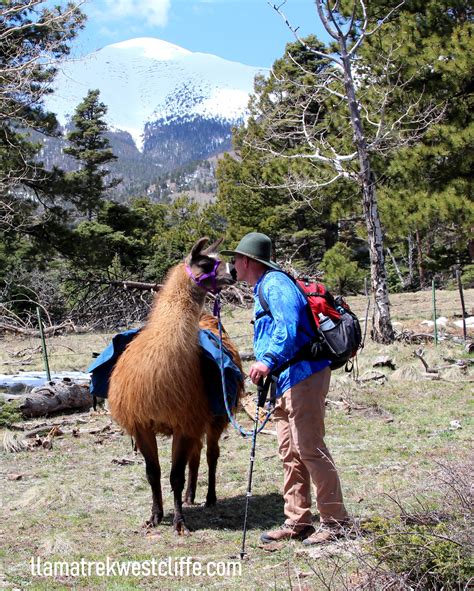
{"points": [[34, 38], [426, 195], [89, 146], [264, 191], [341, 275], [338, 122]]}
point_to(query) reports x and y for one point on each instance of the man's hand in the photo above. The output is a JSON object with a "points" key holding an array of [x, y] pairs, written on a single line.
{"points": [[257, 371]]}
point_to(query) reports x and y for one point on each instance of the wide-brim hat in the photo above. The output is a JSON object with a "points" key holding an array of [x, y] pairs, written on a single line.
{"points": [[256, 246]]}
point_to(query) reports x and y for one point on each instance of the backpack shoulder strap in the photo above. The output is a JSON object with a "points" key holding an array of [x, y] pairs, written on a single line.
{"points": [[266, 308], [261, 298]]}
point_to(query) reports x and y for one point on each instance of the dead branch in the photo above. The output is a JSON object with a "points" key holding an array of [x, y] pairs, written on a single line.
{"points": [[133, 285], [381, 376], [419, 354], [410, 337], [49, 331]]}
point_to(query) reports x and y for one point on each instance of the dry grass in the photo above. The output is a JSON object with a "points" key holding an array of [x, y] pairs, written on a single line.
{"points": [[73, 501]]}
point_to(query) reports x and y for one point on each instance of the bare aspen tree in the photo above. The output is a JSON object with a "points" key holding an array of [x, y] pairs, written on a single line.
{"points": [[344, 115]]}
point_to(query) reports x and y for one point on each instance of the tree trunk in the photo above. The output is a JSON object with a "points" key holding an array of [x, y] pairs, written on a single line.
{"points": [[411, 273], [52, 398], [397, 269], [421, 269], [382, 330]]}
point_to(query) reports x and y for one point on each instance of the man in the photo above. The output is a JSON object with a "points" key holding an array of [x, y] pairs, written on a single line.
{"points": [[301, 391]]}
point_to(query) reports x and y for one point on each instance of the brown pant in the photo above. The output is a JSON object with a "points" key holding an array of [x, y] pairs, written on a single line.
{"points": [[299, 416]]}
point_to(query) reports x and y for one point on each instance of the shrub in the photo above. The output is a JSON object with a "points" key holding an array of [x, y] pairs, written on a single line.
{"points": [[9, 414], [467, 276], [341, 274], [426, 556]]}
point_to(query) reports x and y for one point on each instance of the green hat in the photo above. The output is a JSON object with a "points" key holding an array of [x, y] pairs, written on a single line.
{"points": [[256, 246]]}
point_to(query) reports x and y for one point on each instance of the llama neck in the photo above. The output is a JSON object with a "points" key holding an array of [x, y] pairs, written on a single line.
{"points": [[179, 303]]}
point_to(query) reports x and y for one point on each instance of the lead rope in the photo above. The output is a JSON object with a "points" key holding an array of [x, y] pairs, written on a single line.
{"points": [[233, 421]]}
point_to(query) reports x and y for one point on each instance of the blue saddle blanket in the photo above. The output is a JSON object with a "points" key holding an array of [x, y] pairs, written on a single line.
{"points": [[101, 368]]}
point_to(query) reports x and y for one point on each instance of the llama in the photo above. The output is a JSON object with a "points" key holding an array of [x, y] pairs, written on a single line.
{"points": [[157, 384]]}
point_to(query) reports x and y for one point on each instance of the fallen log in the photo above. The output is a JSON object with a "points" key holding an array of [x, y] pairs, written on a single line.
{"points": [[49, 331], [52, 397]]}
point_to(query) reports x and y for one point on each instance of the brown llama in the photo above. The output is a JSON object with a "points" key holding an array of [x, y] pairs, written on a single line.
{"points": [[157, 384]]}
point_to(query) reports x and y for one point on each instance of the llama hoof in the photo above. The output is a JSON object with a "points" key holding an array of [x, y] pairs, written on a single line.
{"points": [[154, 520], [211, 501], [180, 529], [188, 503]]}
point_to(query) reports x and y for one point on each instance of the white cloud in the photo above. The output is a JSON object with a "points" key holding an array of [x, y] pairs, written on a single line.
{"points": [[153, 12]]}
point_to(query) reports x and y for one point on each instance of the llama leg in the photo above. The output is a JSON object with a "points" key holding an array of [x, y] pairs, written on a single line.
{"points": [[194, 459], [212, 437], [146, 443], [180, 454]]}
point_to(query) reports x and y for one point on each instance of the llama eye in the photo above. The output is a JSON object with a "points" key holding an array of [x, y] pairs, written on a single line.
{"points": [[207, 266]]}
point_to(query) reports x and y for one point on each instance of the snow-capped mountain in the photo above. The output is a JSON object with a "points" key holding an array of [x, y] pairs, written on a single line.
{"points": [[148, 83]]}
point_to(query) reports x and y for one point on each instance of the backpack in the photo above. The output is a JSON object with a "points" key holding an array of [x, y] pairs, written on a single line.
{"points": [[337, 332]]}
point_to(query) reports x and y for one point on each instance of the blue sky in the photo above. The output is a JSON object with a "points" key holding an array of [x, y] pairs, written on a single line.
{"points": [[247, 31]]}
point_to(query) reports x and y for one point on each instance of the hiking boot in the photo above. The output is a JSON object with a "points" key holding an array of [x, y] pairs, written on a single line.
{"points": [[287, 532], [327, 533]]}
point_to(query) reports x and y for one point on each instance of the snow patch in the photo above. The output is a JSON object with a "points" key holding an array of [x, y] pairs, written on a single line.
{"points": [[145, 79], [153, 48]]}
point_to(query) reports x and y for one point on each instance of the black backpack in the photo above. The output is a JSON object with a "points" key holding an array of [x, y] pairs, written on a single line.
{"points": [[337, 332]]}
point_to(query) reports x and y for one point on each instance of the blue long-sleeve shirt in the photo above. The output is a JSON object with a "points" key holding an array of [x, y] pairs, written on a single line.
{"points": [[280, 335]]}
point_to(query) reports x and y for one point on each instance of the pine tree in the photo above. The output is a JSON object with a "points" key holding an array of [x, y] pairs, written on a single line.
{"points": [[341, 274], [90, 147], [426, 194], [264, 192], [34, 38]]}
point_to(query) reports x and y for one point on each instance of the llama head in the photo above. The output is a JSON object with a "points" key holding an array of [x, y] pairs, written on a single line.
{"points": [[205, 268]]}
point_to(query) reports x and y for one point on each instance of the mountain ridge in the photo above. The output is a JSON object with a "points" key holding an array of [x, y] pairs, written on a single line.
{"points": [[145, 80], [167, 109]]}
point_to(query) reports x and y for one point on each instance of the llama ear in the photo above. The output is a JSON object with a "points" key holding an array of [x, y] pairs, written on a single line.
{"points": [[197, 248], [212, 248]]}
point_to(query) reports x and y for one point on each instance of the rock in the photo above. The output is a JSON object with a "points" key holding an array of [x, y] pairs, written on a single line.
{"points": [[442, 321], [469, 322]]}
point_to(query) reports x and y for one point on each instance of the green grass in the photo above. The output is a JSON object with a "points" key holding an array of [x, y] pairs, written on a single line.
{"points": [[74, 503], [9, 413]]}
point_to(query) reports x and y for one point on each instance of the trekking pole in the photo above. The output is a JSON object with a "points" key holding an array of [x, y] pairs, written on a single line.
{"points": [[259, 401]]}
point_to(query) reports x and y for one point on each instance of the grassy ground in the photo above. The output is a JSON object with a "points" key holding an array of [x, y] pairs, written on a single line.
{"points": [[78, 500]]}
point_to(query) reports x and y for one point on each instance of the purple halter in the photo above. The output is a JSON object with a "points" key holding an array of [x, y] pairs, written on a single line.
{"points": [[213, 275]]}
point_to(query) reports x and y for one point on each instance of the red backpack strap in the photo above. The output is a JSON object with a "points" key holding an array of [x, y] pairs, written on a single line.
{"points": [[312, 289]]}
